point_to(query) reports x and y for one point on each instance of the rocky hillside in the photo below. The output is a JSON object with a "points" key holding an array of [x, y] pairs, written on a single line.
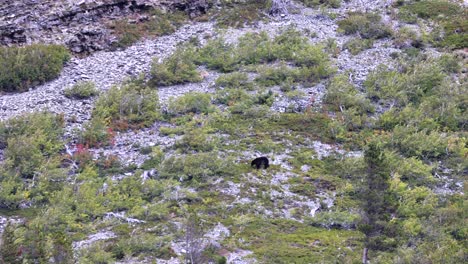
{"points": [[139, 150]]}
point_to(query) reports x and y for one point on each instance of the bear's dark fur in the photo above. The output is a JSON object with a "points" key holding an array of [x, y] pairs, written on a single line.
{"points": [[260, 163]]}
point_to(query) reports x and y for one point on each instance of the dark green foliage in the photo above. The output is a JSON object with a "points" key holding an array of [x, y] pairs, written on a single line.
{"points": [[8, 249], [130, 105], [177, 69], [81, 90], [378, 202], [367, 25], [25, 67]]}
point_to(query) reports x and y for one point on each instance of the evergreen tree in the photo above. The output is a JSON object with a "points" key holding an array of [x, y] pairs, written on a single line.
{"points": [[377, 201], [8, 250]]}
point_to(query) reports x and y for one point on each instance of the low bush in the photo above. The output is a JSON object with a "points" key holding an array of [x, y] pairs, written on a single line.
{"points": [[434, 9], [25, 67], [451, 18], [196, 140], [343, 95], [367, 25], [193, 102], [239, 13], [407, 37], [196, 167], [270, 76], [219, 55], [234, 80], [403, 88], [158, 24], [314, 3], [131, 105], [339, 220], [255, 48], [177, 69], [31, 147], [81, 90], [356, 45], [96, 133]]}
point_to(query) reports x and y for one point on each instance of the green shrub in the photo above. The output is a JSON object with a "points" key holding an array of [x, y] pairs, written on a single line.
{"points": [[406, 36], [197, 167], [196, 140], [24, 67], [255, 48], [219, 55], [342, 95], [130, 105], [270, 76], [408, 87], [234, 80], [421, 144], [239, 13], [82, 90], [434, 9], [367, 25], [193, 102], [356, 45], [452, 20], [95, 133], [314, 3], [456, 32], [287, 76], [158, 24], [95, 254], [344, 220], [177, 69], [30, 141], [231, 96]]}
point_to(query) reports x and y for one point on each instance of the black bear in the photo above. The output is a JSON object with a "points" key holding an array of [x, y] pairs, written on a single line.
{"points": [[260, 163]]}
